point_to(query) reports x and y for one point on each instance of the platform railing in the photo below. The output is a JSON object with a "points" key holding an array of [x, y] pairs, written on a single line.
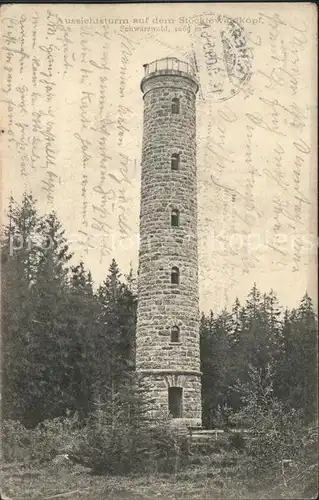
{"points": [[166, 64]]}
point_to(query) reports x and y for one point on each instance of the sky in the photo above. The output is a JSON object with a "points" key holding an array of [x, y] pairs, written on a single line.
{"points": [[74, 114]]}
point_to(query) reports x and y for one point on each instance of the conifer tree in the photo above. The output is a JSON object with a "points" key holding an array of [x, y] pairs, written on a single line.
{"points": [[50, 335], [296, 378], [19, 259], [81, 318], [208, 403], [117, 319]]}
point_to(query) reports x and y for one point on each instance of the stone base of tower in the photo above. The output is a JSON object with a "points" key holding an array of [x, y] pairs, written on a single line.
{"points": [[176, 394]]}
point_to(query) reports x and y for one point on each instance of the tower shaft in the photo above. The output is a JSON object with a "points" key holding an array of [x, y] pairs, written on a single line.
{"points": [[167, 350]]}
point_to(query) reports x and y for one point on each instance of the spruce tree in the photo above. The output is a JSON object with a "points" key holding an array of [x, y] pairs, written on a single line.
{"points": [[19, 260], [81, 318], [115, 339], [50, 335], [296, 380]]}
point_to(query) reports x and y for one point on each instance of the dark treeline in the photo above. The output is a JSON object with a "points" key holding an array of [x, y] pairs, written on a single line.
{"points": [[259, 337], [66, 347]]}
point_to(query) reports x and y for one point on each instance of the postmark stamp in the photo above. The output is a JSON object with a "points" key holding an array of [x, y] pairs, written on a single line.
{"points": [[224, 57]]}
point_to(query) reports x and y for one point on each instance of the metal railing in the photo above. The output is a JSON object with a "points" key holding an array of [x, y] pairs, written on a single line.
{"points": [[168, 63]]}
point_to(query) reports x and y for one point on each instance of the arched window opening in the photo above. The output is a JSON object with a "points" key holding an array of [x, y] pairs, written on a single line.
{"points": [[175, 218], [175, 334], [175, 401], [175, 161], [175, 106], [175, 276]]}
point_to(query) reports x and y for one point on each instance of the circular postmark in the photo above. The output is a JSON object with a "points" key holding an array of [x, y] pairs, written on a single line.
{"points": [[225, 60]]}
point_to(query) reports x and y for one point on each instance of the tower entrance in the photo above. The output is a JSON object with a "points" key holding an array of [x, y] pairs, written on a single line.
{"points": [[175, 402]]}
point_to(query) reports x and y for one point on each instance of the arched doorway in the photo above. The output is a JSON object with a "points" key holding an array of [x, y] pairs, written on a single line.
{"points": [[175, 401]]}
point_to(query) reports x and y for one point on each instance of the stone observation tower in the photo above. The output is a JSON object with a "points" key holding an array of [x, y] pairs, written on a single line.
{"points": [[167, 350]]}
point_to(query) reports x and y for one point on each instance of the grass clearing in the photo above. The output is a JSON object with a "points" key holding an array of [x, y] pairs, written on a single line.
{"points": [[20, 482]]}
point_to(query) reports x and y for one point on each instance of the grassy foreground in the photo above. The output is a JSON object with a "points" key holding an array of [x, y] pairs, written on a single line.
{"points": [[20, 482]]}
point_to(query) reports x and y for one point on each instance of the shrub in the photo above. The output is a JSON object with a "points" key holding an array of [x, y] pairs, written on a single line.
{"points": [[122, 447], [237, 441], [41, 444], [281, 449], [15, 441], [54, 437], [120, 437]]}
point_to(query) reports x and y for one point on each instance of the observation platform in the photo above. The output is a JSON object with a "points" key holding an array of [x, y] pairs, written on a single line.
{"points": [[169, 66]]}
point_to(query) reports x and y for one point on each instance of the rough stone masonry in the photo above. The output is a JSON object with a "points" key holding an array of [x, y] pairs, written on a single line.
{"points": [[167, 350]]}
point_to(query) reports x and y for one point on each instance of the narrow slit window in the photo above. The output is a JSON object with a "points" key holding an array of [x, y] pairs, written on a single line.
{"points": [[175, 401], [175, 276], [175, 218], [175, 334], [175, 161], [175, 106]]}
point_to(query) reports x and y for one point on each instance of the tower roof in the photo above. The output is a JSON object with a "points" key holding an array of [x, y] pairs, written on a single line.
{"points": [[168, 63], [168, 66]]}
